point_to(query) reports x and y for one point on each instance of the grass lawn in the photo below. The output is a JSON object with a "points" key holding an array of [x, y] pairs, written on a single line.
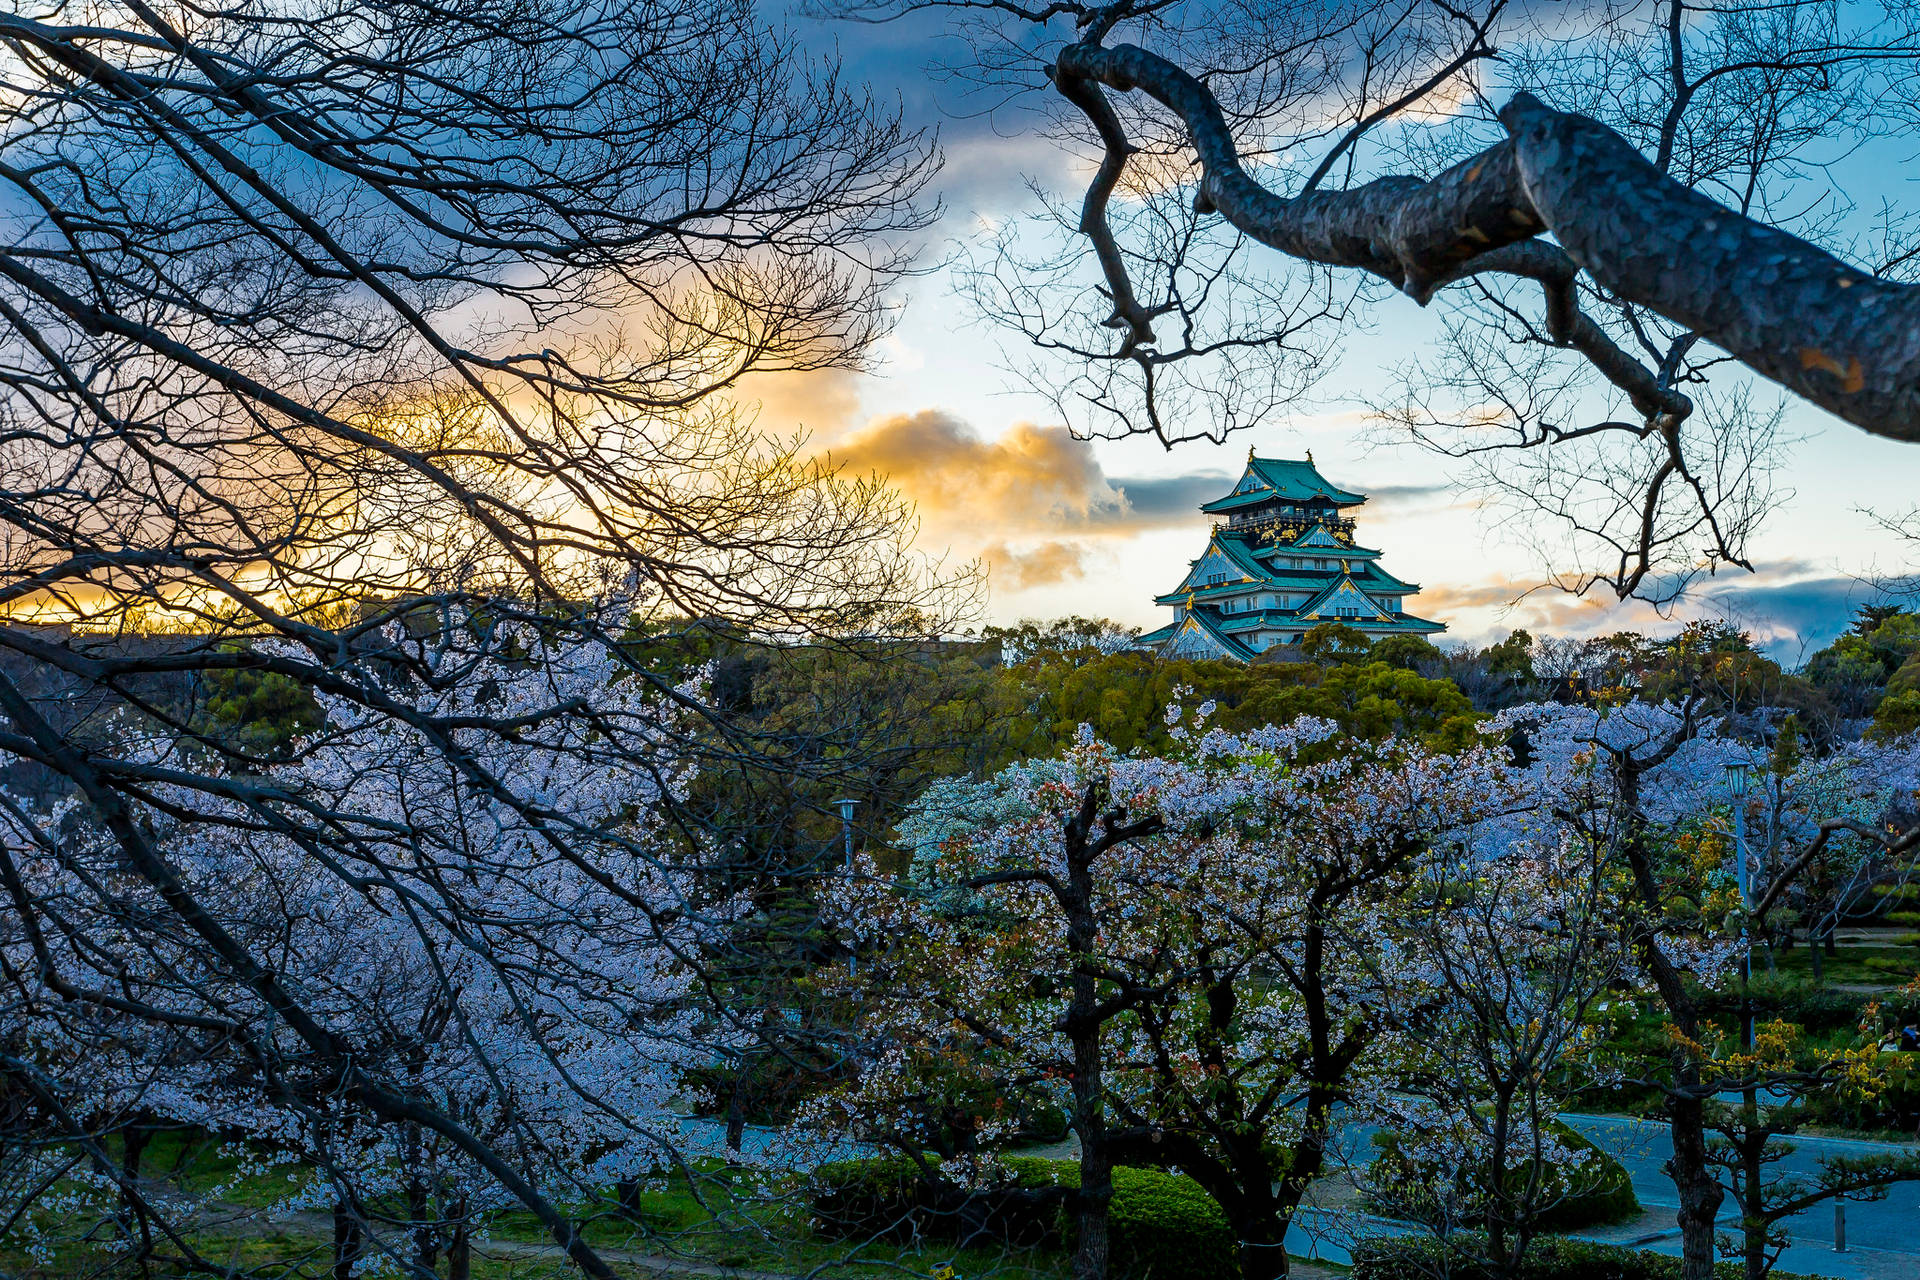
{"points": [[1897, 965], [727, 1221]]}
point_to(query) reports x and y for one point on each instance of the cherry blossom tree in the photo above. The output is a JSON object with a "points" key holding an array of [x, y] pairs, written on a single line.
{"points": [[1509, 960], [1204, 955], [508, 930], [1651, 781], [361, 347], [1189, 951]]}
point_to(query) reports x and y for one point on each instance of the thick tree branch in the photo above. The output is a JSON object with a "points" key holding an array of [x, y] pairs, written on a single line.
{"points": [[1827, 331]]}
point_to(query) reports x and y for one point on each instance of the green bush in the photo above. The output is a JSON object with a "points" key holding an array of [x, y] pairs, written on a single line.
{"points": [[1787, 998], [1162, 1225], [884, 1196], [1549, 1258], [1895, 1107], [1602, 1193]]}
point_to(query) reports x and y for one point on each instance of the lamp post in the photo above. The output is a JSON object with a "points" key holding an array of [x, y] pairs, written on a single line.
{"points": [[845, 805], [1739, 778]]}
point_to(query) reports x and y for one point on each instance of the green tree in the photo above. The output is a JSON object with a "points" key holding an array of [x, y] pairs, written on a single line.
{"points": [[1410, 653], [257, 715], [1333, 642]]}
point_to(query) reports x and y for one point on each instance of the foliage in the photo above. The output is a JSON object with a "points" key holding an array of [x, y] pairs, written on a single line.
{"points": [[1897, 716], [1585, 1187], [256, 713], [1867, 665], [1552, 1258], [1163, 1225], [1815, 1009], [1894, 1105]]}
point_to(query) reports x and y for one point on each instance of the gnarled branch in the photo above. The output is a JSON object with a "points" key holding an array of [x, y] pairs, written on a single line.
{"points": [[1825, 330]]}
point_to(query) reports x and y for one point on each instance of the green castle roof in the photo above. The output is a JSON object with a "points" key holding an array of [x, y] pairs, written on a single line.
{"points": [[1282, 480]]}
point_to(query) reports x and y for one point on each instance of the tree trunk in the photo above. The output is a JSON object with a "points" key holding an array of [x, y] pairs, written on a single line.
{"points": [[737, 1111], [460, 1250], [1700, 1195], [347, 1240], [1091, 1255], [1082, 1025], [426, 1233], [1753, 1227], [426, 1242], [1263, 1248], [133, 1145]]}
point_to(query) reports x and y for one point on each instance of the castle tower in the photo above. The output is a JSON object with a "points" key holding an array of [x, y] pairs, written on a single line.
{"points": [[1281, 561]]}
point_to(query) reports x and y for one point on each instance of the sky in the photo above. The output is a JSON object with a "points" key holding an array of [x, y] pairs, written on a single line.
{"points": [[1068, 526]]}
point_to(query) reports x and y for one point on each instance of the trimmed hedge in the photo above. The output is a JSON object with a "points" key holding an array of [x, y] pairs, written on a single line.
{"points": [[1161, 1225], [1549, 1258], [1609, 1198]]}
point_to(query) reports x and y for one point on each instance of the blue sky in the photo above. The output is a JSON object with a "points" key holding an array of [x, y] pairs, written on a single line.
{"points": [[1099, 528]]}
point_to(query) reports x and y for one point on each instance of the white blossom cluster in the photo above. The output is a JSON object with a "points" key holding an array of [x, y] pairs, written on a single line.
{"points": [[476, 892]]}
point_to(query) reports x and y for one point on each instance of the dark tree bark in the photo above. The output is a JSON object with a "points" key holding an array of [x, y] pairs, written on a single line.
{"points": [[1083, 1024], [349, 1239], [460, 1247], [1699, 1191], [1825, 330]]}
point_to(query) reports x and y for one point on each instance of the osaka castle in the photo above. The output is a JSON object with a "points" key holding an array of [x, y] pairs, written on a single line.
{"points": [[1281, 561]]}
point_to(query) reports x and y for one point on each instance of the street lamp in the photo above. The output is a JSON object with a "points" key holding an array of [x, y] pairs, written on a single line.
{"points": [[845, 805], [1739, 779]]}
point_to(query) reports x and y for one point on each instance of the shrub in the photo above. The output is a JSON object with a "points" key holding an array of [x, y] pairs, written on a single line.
{"points": [[1549, 1258], [1896, 1106], [1785, 998], [883, 1196], [1600, 1192], [1162, 1225]]}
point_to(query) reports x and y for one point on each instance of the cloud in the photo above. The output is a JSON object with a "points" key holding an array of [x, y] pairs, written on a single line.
{"points": [[1044, 564], [1789, 608], [1031, 477], [1404, 498], [1031, 480], [1157, 501], [822, 403], [1791, 620]]}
